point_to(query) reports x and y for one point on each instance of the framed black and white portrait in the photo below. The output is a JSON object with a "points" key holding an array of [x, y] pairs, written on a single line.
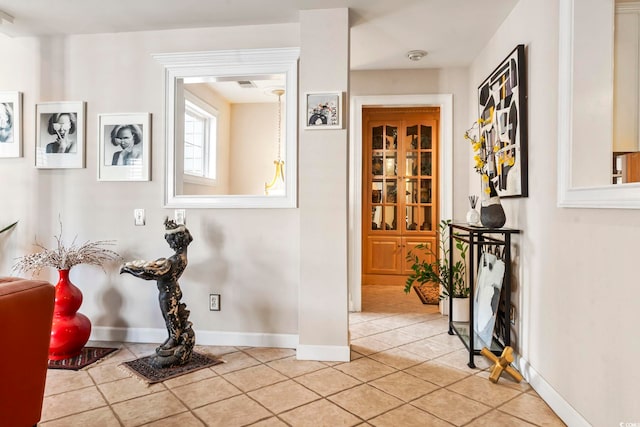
{"points": [[324, 110], [60, 129], [10, 124], [124, 146]]}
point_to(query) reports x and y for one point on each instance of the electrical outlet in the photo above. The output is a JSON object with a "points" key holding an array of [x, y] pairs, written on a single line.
{"points": [[180, 216], [138, 217], [214, 302]]}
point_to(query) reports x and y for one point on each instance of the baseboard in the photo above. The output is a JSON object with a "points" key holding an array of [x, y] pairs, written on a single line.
{"points": [[235, 339], [561, 407], [325, 353]]}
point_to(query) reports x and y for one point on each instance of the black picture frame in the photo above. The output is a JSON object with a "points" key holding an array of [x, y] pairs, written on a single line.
{"points": [[502, 109]]}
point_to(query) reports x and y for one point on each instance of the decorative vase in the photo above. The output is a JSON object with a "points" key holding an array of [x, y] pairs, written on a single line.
{"points": [[70, 330], [491, 211], [473, 216]]}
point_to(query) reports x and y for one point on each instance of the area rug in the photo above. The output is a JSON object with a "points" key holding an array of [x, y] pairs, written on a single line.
{"points": [[143, 369], [87, 356], [429, 293]]}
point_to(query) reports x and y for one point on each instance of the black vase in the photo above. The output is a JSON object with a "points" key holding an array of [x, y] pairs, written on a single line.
{"points": [[491, 213]]}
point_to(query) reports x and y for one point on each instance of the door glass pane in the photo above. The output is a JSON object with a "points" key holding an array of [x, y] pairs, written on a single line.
{"points": [[425, 191], [390, 217], [376, 191], [392, 138], [376, 164], [426, 224], [425, 163], [391, 195], [412, 191], [412, 137], [376, 218], [425, 137], [412, 164], [376, 138], [391, 165], [412, 218]]}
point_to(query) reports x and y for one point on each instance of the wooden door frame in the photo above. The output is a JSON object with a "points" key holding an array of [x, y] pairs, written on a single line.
{"points": [[445, 163]]}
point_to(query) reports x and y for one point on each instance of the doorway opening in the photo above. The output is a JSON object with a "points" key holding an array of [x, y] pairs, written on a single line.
{"points": [[444, 163]]}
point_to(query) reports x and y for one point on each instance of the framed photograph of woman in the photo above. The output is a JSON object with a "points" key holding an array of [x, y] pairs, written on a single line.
{"points": [[60, 128], [124, 146], [10, 124], [324, 110]]}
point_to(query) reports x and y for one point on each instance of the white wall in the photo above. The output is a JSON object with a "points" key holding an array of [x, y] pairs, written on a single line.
{"points": [[428, 82], [577, 287], [239, 254], [324, 66], [254, 130]]}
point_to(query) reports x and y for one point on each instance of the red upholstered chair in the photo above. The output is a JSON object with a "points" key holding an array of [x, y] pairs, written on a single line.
{"points": [[26, 313]]}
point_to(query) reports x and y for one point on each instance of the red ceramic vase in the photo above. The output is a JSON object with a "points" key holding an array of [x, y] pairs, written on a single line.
{"points": [[70, 330]]}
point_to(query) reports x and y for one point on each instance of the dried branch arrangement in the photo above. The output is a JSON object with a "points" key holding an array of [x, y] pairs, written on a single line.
{"points": [[64, 257]]}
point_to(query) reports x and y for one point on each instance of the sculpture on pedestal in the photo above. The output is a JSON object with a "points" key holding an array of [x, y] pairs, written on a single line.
{"points": [[177, 348]]}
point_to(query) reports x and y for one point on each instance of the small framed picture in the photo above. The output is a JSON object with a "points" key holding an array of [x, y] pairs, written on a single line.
{"points": [[10, 124], [60, 135], [124, 146], [324, 110]]}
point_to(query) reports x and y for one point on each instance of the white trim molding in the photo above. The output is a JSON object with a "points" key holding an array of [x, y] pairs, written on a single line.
{"points": [[325, 353], [231, 63], [561, 407], [620, 196], [156, 335]]}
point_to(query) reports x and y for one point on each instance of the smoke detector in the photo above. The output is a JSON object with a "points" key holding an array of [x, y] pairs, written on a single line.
{"points": [[416, 55]]}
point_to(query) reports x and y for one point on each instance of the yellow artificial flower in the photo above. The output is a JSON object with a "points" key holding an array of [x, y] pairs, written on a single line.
{"points": [[511, 161], [496, 148], [487, 190], [477, 146], [485, 178]]}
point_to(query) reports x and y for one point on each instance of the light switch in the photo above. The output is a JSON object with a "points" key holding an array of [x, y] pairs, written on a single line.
{"points": [[179, 216], [138, 216]]}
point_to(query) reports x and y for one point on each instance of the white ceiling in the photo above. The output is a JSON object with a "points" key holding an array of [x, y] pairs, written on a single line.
{"points": [[383, 31]]}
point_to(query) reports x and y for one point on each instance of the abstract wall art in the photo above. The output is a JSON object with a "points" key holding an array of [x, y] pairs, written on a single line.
{"points": [[502, 109]]}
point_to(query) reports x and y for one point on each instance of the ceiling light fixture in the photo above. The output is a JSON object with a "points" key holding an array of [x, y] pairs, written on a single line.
{"points": [[416, 55]]}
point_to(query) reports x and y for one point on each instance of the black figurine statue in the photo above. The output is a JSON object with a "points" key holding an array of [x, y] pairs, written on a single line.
{"points": [[176, 350]]}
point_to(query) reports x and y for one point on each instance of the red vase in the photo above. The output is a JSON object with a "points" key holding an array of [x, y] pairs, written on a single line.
{"points": [[70, 330]]}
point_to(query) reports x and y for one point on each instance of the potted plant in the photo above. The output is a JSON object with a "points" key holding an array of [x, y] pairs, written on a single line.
{"points": [[70, 330], [436, 269]]}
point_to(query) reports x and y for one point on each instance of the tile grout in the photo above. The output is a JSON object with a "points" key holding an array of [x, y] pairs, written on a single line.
{"points": [[382, 316]]}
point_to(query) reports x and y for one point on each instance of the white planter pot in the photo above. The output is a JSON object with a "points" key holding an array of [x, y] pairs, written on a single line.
{"points": [[443, 306], [460, 310]]}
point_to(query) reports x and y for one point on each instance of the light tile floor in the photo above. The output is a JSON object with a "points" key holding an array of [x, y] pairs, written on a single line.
{"points": [[405, 371]]}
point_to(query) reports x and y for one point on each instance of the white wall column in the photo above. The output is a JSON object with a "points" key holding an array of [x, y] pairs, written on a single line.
{"points": [[323, 301]]}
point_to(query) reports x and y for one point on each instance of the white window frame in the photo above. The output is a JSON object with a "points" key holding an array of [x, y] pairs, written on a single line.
{"points": [[210, 149]]}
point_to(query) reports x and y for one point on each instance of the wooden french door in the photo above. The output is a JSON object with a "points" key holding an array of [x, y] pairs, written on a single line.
{"points": [[400, 194]]}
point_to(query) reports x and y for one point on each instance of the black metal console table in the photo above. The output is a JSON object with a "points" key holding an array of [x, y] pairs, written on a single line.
{"points": [[479, 238]]}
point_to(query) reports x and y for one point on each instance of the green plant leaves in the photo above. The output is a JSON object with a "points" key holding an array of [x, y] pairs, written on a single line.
{"points": [[8, 227], [439, 270]]}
